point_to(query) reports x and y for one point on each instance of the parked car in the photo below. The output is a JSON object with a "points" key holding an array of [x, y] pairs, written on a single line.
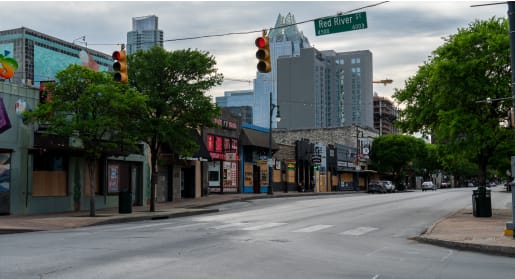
{"points": [[445, 185], [376, 187], [428, 185], [390, 187]]}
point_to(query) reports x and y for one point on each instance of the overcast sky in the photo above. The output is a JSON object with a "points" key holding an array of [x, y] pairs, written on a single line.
{"points": [[400, 34]]}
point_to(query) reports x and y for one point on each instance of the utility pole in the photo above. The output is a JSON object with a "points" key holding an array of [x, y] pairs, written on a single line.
{"points": [[511, 19]]}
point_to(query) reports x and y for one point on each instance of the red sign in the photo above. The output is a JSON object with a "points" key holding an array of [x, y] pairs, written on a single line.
{"points": [[210, 143], [219, 144]]}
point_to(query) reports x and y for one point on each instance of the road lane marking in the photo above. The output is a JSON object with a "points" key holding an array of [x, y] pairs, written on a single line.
{"points": [[229, 225], [314, 228], [183, 226], [263, 226], [359, 231]]}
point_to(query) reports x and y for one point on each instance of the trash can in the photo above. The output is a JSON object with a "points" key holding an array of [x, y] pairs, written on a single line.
{"points": [[124, 202], [481, 202]]}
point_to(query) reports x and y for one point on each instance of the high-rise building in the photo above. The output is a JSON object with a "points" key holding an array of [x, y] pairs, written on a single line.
{"points": [[285, 40], [385, 113], [144, 35], [323, 89], [39, 56], [238, 102]]}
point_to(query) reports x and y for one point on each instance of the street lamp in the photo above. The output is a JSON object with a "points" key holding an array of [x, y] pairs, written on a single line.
{"points": [[278, 118]]}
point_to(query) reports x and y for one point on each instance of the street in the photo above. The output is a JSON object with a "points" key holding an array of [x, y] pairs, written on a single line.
{"points": [[338, 236]]}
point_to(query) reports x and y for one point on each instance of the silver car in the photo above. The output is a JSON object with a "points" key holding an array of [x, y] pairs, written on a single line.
{"points": [[428, 185]]}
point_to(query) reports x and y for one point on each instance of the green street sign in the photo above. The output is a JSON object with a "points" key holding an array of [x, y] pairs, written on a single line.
{"points": [[342, 23]]}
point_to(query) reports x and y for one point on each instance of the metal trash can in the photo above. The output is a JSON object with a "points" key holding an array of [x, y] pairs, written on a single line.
{"points": [[481, 202], [124, 202]]}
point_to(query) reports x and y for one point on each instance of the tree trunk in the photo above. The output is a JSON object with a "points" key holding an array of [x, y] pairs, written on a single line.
{"points": [[91, 168]]}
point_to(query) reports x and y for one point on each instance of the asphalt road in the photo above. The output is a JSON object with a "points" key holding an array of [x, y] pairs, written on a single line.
{"points": [[348, 236]]}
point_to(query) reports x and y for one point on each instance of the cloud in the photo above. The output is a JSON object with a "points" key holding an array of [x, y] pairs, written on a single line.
{"points": [[400, 34]]}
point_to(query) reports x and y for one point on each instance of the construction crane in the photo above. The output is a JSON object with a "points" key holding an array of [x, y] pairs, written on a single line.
{"points": [[383, 81]]}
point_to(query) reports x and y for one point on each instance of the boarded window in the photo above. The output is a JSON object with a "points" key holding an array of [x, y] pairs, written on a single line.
{"points": [[49, 175]]}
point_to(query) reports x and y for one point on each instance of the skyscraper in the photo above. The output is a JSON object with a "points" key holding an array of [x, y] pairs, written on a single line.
{"points": [[144, 35], [285, 40], [324, 89]]}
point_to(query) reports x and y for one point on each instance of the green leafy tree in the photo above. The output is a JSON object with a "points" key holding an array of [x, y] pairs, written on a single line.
{"points": [[446, 98], [175, 83], [396, 153], [99, 112]]}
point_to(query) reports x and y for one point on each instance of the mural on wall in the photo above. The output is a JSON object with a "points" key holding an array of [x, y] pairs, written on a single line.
{"points": [[7, 65], [5, 182], [88, 61], [5, 123]]}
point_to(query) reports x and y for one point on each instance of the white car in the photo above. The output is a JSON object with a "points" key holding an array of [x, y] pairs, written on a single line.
{"points": [[428, 185], [389, 186]]}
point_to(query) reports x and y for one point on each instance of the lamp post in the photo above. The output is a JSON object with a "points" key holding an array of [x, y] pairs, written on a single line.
{"points": [[83, 38], [278, 117]]}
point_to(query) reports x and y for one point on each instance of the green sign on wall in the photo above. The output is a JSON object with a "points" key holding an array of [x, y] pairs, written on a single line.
{"points": [[342, 23]]}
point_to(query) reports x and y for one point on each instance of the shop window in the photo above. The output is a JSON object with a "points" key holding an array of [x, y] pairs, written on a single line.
{"points": [[49, 175]]}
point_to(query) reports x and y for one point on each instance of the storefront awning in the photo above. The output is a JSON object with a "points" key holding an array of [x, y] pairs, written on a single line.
{"points": [[256, 138]]}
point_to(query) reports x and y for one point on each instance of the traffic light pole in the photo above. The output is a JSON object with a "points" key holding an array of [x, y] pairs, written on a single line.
{"points": [[511, 19]]}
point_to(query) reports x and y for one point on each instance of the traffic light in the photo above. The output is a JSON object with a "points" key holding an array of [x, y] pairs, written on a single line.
{"points": [[263, 54], [120, 66]]}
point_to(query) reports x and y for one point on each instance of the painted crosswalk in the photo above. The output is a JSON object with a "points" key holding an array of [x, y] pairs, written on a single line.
{"points": [[263, 226], [248, 226], [359, 231], [314, 228]]}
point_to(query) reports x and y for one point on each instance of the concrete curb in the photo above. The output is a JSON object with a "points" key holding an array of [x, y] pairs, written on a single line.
{"points": [[473, 247]]}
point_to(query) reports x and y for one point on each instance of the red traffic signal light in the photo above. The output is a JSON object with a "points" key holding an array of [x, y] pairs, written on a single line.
{"points": [[263, 55], [120, 66]]}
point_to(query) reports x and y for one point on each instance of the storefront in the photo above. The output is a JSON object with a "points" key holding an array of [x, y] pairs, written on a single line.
{"points": [[223, 146], [255, 146], [346, 167]]}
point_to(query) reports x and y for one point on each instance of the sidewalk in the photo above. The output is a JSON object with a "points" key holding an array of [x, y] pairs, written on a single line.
{"points": [[460, 230], [463, 231]]}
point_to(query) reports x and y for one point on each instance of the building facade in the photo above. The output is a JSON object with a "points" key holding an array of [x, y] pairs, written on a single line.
{"points": [[39, 56], [46, 173], [144, 34], [385, 113], [329, 159], [238, 102], [323, 89]]}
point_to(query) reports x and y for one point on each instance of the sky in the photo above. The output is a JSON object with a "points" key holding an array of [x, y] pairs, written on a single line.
{"points": [[401, 34]]}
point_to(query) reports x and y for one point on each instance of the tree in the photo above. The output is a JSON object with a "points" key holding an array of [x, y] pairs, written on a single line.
{"points": [[396, 154], [175, 83], [101, 113], [446, 98]]}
